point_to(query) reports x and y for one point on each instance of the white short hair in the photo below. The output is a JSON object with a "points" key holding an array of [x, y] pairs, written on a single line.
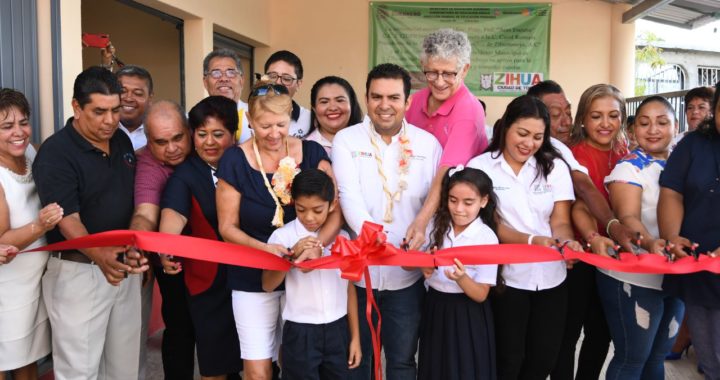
{"points": [[447, 44]]}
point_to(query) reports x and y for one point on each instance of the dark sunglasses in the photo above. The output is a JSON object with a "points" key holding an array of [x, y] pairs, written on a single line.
{"points": [[278, 89]]}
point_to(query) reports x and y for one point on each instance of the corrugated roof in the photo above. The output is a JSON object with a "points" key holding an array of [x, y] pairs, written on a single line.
{"points": [[688, 14]]}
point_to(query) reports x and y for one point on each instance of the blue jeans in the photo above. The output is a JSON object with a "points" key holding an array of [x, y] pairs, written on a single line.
{"points": [[704, 327], [400, 311], [643, 324]]}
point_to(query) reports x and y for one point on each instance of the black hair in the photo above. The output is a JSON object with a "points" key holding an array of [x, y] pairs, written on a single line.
{"points": [[389, 71], [313, 182], [219, 107], [655, 99], [10, 98], [482, 183], [544, 88], [522, 107], [356, 115], [136, 71], [222, 53], [704, 93], [95, 80], [709, 127], [289, 57]]}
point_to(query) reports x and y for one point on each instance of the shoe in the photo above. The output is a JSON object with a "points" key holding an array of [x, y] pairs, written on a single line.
{"points": [[678, 355]]}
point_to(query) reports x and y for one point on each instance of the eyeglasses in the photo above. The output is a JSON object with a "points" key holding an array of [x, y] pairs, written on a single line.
{"points": [[217, 73], [286, 79], [263, 90], [447, 76]]}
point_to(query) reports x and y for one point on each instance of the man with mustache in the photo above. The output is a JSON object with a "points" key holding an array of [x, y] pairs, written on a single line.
{"points": [[136, 97], [223, 76]]}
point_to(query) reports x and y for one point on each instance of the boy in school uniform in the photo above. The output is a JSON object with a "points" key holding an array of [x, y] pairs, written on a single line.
{"points": [[321, 337]]}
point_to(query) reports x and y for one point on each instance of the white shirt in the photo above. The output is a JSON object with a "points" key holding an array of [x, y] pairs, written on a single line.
{"points": [[300, 127], [361, 188], [245, 132], [526, 203], [567, 155], [477, 233], [320, 139], [137, 137], [316, 297], [641, 170]]}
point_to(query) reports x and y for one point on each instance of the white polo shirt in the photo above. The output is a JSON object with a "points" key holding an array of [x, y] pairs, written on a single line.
{"points": [[477, 233], [567, 155], [299, 128], [361, 187], [316, 297], [137, 137], [526, 203]]}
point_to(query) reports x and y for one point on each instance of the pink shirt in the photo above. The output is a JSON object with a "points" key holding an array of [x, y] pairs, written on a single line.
{"points": [[459, 124], [150, 178]]}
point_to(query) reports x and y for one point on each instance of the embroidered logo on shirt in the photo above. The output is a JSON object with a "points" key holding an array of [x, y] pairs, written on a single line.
{"points": [[357, 153], [500, 188], [419, 158], [541, 188]]}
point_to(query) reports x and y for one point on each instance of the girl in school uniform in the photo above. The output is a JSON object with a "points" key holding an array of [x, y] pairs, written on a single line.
{"points": [[457, 339]]}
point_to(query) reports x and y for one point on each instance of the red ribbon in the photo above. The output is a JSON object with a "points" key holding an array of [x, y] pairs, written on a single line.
{"points": [[353, 257]]}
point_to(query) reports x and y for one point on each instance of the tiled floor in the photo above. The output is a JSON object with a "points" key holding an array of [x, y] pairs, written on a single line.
{"points": [[684, 369]]}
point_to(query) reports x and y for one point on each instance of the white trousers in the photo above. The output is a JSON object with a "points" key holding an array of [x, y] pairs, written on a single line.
{"points": [[95, 326]]}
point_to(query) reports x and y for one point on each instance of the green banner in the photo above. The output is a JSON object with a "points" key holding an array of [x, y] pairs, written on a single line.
{"points": [[510, 42]]}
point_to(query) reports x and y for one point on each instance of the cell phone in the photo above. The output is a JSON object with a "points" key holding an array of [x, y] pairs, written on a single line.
{"points": [[95, 40]]}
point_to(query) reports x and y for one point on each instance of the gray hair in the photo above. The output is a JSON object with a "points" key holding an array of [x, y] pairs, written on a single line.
{"points": [[166, 108], [222, 53], [447, 44]]}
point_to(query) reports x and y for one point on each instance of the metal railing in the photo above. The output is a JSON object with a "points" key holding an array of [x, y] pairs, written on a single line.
{"points": [[676, 98]]}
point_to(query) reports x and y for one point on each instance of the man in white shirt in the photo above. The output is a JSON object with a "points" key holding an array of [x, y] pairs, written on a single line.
{"points": [[285, 68], [223, 76], [136, 97], [384, 168]]}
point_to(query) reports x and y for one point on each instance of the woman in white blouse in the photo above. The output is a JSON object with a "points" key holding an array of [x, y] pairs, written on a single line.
{"points": [[535, 193]]}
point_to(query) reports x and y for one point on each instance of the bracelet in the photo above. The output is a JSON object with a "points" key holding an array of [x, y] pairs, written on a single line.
{"points": [[530, 237], [609, 223]]}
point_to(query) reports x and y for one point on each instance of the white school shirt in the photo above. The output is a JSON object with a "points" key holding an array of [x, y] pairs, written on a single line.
{"points": [[300, 127], [137, 137], [361, 190], [567, 155], [316, 297], [477, 233], [526, 203], [642, 170]]}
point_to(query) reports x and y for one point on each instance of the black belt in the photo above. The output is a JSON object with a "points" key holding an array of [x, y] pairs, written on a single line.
{"points": [[74, 256]]}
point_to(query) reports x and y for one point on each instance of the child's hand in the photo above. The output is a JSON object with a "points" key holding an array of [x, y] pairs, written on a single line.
{"points": [[427, 272], [308, 242], [458, 271], [355, 353], [169, 265]]}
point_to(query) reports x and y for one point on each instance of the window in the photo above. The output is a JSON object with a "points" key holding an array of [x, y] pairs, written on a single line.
{"points": [[666, 78], [708, 76]]}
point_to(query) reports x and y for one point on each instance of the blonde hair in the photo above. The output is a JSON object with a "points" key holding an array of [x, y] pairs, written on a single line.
{"points": [[271, 101], [583, 108]]}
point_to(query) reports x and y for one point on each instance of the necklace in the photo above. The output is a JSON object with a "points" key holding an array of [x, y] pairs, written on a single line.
{"points": [[403, 168], [281, 181]]}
